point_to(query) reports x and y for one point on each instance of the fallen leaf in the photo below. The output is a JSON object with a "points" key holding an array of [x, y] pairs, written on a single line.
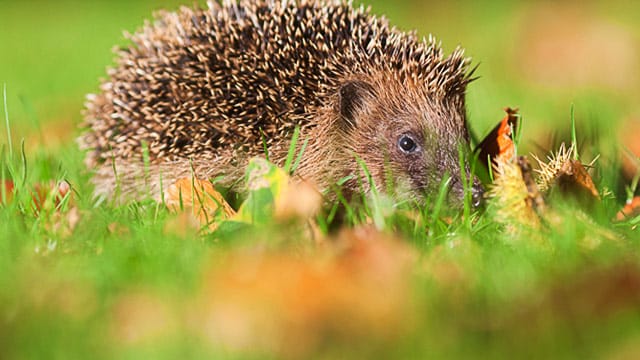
{"points": [[498, 144], [566, 174], [201, 199], [631, 209]]}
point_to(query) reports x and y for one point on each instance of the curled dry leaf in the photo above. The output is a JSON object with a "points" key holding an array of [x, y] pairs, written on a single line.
{"points": [[498, 144], [573, 178], [516, 194], [201, 198], [566, 174], [631, 209], [513, 194]]}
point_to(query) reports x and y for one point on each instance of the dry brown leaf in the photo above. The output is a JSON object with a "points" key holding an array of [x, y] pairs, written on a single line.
{"points": [[498, 145], [574, 179], [566, 174], [201, 198], [631, 209]]}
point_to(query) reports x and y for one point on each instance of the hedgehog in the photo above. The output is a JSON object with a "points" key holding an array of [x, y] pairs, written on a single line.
{"points": [[200, 91]]}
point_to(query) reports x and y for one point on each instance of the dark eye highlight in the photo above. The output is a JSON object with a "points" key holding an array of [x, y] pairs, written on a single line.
{"points": [[407, 144]]}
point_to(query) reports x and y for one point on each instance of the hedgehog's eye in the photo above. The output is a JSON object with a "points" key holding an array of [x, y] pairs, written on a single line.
{"points": [[407, 144]]}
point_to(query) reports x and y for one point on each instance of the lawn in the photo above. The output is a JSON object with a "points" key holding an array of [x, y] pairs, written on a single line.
{"points": [[82, 279]]}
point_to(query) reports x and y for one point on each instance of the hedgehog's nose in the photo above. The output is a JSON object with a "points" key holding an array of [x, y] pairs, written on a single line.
{"points": [[477, 194]]}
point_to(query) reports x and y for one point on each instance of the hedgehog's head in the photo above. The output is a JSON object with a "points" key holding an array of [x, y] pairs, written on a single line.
{"points": [[409, 137]]}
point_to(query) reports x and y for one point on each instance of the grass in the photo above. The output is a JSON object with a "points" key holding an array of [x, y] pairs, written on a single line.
{"points": [[80, 279]]}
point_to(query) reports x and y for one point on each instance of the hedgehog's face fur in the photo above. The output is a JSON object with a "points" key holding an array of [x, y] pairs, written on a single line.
{"points": [[408, 138]]}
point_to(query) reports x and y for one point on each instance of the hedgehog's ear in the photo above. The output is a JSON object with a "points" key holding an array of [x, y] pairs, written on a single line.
{"points": [[351, 98]]}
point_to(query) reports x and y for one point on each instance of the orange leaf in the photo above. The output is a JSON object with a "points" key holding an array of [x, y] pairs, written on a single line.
{"points": [[201, 197], [499, 142], [630, 209]]}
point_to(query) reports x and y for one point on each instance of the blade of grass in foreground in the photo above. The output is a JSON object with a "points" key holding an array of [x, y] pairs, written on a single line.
{"points": [[6, 118]]}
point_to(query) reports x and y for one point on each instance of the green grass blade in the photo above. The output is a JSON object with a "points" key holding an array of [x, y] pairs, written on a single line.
{"points": [[292, 149], [6, 119]]}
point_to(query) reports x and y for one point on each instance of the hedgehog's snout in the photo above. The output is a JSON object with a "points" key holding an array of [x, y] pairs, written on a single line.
{"points": [[457, 192]]}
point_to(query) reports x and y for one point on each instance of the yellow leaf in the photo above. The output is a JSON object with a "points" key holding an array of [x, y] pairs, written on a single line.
{"points": [[199, 196]]}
